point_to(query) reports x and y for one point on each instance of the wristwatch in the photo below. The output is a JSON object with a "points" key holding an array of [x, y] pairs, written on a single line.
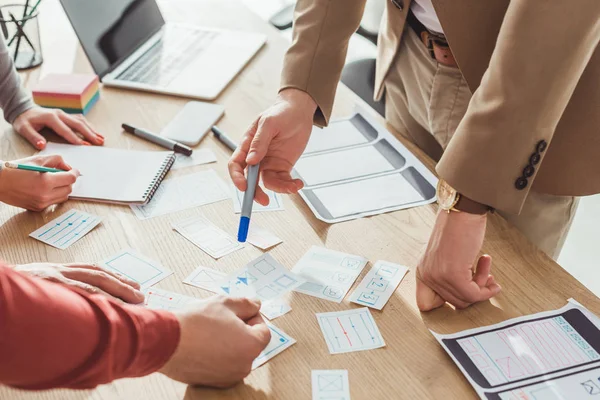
{"points": [[450, 200]]}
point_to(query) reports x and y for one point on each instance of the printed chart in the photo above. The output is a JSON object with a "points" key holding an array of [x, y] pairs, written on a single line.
{"points": [[66, 229]]}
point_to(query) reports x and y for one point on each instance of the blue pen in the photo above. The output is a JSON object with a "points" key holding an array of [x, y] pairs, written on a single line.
{"points": [[247, 202]]}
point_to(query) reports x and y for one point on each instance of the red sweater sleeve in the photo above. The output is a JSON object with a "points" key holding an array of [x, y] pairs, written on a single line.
{"points": [[52, 337]]}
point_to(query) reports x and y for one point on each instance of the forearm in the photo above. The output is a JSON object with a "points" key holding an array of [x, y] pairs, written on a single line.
{"points": [[52, 337], [14, 99]]}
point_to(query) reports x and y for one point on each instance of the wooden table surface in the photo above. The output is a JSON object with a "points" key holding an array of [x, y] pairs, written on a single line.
{"points": [[411, 366]]}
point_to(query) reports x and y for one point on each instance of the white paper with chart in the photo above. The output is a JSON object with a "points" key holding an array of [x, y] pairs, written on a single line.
{"points": [[65, 230], [137, 267], [184, 192], [379, 284], [348, 331], [356, 168], [545, 356], [160, 299], [279, 342], [263, 278], [329, 274], [207, 236], [330, 384]]}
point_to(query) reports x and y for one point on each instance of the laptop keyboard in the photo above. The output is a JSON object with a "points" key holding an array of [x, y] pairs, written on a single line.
{"points": [[169, 56]]}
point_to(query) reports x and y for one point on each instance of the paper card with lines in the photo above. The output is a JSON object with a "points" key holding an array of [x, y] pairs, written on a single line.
{"points": [[262, 238], [141, 269], [329, 274], [264, 279], [206, 278], [330, 384], [279, 342], [348, 331], [160, 299], [505, 356], [275, 201], [379, 284], [274, 309], [65, 230], [207, 236]]}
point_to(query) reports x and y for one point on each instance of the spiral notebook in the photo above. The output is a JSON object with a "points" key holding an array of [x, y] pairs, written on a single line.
{"points": [[114, 175]]}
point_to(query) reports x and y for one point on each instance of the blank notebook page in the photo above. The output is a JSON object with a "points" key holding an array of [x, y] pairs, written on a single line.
{"points": [[113, 175]]}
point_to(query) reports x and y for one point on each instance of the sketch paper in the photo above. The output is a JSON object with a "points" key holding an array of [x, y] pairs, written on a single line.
{"points": [[262, 238], [160, 299], [65, 230], [532, 357], [198, 157], [349, 331], [379, 284], [329, 274], [330, 384], [274, 309], [206, 278], [275, 201], [279, 342], [141, 269], [208, 237], [184, 192]]}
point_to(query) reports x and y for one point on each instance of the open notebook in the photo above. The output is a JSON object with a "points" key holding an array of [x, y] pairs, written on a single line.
{"points": [[114, 175]]}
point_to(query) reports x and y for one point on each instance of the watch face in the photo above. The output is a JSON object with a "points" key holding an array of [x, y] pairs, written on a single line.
{"points": [[446, 195]]}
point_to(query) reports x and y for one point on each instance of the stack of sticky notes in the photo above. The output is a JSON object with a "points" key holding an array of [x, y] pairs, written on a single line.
{"points": [[72, 93]]}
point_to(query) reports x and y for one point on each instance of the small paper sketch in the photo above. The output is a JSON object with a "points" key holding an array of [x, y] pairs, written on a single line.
{"points": [[279, 342], [378, 286], [159, 299], [348, 331], [205, 278], [65, 230], [330, 384], [141, 269], [275, 201], [209, 238], [274, 309]]}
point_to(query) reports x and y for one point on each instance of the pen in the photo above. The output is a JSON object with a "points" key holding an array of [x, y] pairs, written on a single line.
{"points": [[247, 202], [159, 140], [20, 31], [26, 167], [222, 137], [24, 22], [4, 28]]}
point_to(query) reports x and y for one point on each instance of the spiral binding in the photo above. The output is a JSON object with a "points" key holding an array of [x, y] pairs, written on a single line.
{"points": [[158, 178]]}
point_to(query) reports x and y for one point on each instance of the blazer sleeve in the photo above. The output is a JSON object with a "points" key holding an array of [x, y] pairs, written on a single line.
{"points": [[314, 62], [542, 50]]}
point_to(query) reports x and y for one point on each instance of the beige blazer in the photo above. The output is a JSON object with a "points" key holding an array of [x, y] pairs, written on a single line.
{"points": [[533, 67]]}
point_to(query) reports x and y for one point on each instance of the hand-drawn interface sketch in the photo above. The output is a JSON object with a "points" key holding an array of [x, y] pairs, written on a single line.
{"points": [[329, 274], [141, 269], [65, 230], [208, 237], [279, 342], [264, 279], [352, 330], [160, 299], [275, 201], [379, 284], [527, 353], [274, 309], [206, 278], [330, 384]]}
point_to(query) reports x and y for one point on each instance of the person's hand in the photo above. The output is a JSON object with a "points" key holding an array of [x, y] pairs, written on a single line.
{"points": [[90, 278], [35, 191], [445, 271], [73, 128], [276, 139], [220, 338]]}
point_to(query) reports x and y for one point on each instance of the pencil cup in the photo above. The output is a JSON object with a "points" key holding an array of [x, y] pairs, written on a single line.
{"points": [[21, 33]]}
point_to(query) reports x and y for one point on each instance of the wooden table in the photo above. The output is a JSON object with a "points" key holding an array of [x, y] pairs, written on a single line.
{"points": [[411, 366]]}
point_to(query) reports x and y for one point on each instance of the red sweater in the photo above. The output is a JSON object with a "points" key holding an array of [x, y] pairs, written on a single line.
{"points": [[53, 337]]}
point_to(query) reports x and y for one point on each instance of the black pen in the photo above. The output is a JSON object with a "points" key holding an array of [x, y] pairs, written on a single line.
{"points": [[3, 24], [159, 140], [223, 138]]}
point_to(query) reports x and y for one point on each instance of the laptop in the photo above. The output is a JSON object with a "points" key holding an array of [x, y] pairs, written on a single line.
{"points": [[129, 45]]}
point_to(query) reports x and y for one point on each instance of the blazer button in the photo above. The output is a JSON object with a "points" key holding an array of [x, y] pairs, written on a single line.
{"points": [[528, 171], [541, 146], [535, 159], [398, 3], [521, 183]]}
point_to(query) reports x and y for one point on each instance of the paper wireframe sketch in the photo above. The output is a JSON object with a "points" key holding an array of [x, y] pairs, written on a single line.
{"points": [[184, 192], [279, 342], [141, 269], [264, 278], [329, 274], [206, 278], [330, 384], [262, 238], [275, 201], [274, 309], [379, 284], [160, 299], [65, 230], [348, 331], [198, 157], [208, 237], [546, 353]]}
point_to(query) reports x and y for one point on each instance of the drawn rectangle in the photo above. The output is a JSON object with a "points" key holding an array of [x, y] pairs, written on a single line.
{"points": [[141, 269], [279, 342], [330, 384], [209, 238], [205, 278], [66, 229], [349, 331], [379, 284]]}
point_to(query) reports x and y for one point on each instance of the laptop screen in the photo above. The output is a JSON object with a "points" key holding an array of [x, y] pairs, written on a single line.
{"points": [[110, 30]]}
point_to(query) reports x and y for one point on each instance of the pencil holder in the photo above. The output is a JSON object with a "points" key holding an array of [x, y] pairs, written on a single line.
{"points": [[20, 30]]}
